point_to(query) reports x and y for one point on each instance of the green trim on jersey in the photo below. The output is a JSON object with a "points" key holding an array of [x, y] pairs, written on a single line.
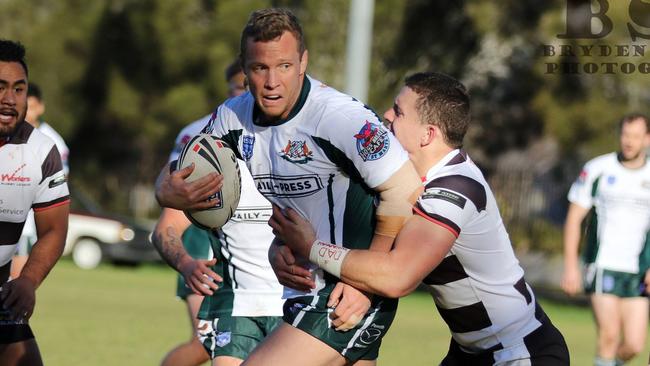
{"points": [[233, 281], [232, 139], [591, 238], [644, 257], [302, 98], [330, 207], [359, 217], [221, 301]]}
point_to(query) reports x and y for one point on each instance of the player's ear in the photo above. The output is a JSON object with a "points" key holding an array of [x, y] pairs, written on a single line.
{"points": [[428, 134], [303, 61]]}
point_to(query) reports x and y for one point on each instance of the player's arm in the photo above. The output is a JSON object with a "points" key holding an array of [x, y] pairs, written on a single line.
{"points": [[52, 228], [419, 248], [396, 198], [167, 239], [572, 227]]}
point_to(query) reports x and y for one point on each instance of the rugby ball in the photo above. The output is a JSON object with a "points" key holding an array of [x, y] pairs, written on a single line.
{"points": [[210, 154]]}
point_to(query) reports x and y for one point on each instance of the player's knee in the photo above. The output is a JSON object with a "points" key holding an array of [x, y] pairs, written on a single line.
{"points": [[633, 347], [608, 338]]}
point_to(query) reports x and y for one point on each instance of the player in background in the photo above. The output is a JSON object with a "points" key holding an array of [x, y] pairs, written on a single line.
{"points": [[226, 333], [32, 178], [324, 153], [36, 109], [617, 251], [455, 244]]}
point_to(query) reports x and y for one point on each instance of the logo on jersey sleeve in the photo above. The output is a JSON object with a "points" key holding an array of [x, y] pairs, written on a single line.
{"points": [[582, 178], [247, 147], [372, 142], [441, 194], [58, 179], [296, 152]]}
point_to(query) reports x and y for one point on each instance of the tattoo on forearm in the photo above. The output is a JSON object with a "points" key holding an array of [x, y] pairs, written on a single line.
{"points": [[169, 246]]}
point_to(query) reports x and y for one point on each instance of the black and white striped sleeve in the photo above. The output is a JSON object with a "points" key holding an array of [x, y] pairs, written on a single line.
{"points": [[451, 202]]}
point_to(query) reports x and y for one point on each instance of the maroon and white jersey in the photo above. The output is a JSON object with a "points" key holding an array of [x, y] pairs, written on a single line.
{"points": [[479, 287], [31, 177]]}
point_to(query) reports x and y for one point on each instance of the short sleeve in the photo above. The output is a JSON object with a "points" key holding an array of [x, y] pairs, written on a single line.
{"points": [[372, 149], [52, 189], [451, 202], [226, 124], [582, 189]]}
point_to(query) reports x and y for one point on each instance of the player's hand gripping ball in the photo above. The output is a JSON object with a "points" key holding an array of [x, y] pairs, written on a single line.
{"points": [[210, 154]]}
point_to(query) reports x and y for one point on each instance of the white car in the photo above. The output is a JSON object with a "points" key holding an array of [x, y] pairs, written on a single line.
{"points": [[94, 236]]}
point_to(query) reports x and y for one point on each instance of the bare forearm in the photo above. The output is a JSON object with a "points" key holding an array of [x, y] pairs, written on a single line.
{"points": [[46, 252], [571, 243], [377, 273], [167, 241], [163, 177]]}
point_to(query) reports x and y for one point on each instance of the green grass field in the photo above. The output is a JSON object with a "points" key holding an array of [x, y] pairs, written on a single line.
{"points": [[129, 316]]}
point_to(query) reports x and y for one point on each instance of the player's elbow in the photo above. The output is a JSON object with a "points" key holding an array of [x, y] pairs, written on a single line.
{"points": [[398, 286]]}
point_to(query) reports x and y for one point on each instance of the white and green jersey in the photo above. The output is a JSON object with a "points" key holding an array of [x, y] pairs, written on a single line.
{"points": [[620, 224], [323, 161], [250, 287]]}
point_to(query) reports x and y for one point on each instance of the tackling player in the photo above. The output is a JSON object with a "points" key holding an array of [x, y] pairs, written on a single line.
{"points": [[455, 243], [324, 153]]}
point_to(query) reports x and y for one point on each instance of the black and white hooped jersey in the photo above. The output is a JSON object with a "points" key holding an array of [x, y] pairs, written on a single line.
{"points": [[324, 160], [31, 177], [618, 234], [479, 287]]}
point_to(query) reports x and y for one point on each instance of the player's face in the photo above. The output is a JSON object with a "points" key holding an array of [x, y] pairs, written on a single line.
{"points": [[35, 109], [275, 72], [236, 85], [13, 96], [404, 120], [635, 139]]}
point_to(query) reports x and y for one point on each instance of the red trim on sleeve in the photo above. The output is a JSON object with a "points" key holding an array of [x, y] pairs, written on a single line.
{"points": [[429, 218], [57, 204]]}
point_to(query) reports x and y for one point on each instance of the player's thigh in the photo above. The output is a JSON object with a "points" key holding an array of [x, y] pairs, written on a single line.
{"points": [[226, 361], [634, 315], [289, 346], [606, 308], [20, 353], [364, 363]]}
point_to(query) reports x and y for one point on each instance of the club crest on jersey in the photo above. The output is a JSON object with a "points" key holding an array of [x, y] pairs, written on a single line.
{"points": [[296, 152], [372, 142], [223, 338], [611, 180], [247, 147]]}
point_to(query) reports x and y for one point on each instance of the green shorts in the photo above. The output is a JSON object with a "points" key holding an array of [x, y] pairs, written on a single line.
{"points": [[198, 244], [311, 315], [235, 336], [621, 284]]}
